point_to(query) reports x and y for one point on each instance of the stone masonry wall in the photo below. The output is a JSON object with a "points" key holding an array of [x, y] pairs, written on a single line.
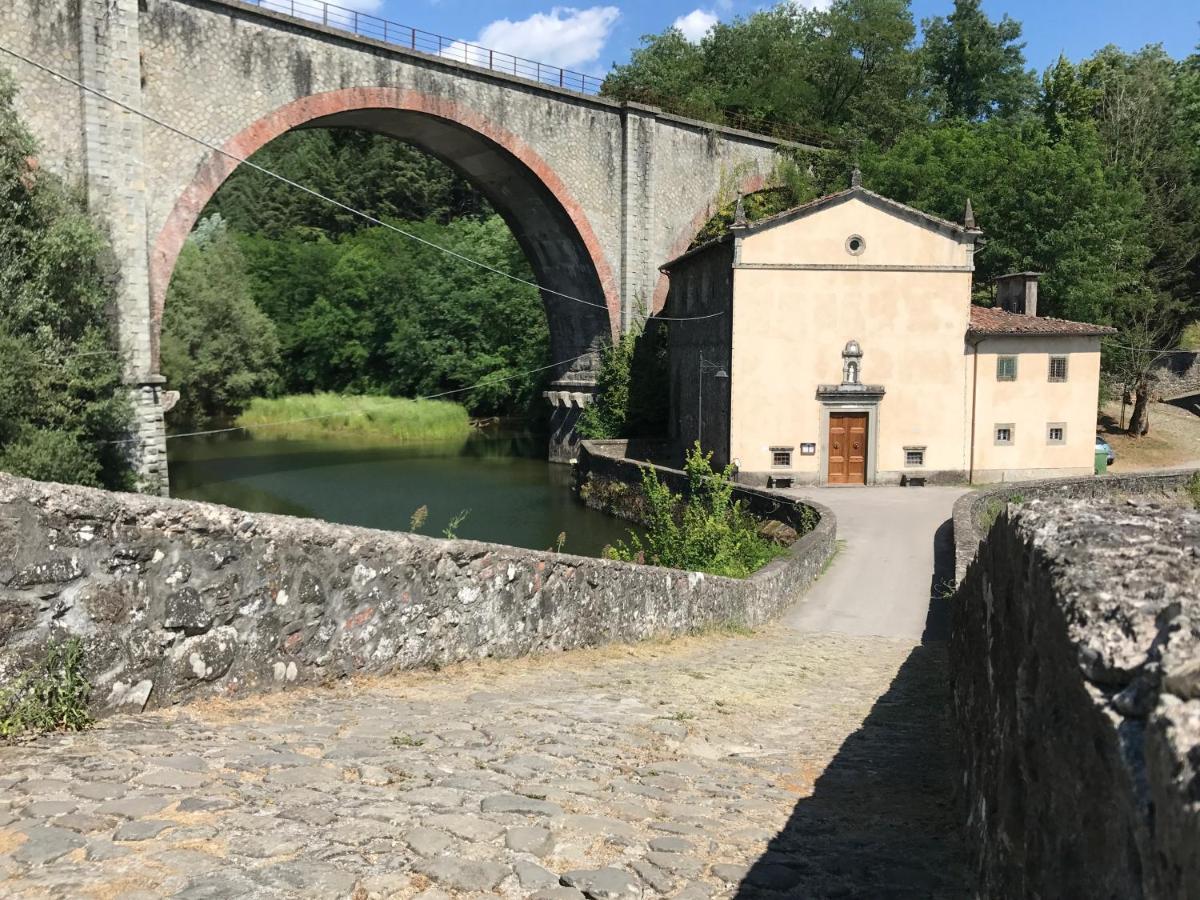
{"points": [[971, 509], [1075, 669], [176, 600]]}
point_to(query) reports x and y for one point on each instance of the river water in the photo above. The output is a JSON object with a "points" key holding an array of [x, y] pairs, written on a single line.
{"points": [[514, 495]]}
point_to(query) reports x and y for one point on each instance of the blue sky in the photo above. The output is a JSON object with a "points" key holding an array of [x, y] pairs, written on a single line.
{"points": [[589, 37]]}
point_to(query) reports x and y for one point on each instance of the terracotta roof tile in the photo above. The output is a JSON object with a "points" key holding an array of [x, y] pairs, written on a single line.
{"points": [[988, 321]]}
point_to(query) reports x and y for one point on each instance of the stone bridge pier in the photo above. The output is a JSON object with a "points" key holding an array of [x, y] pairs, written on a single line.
{"points": [[597, 193]]}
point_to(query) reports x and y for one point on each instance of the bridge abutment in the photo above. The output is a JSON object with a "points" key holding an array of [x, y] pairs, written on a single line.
{"points": [[113, 150]]}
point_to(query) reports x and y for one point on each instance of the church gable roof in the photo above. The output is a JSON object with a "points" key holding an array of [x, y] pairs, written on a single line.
{"points": [[858, 192]]}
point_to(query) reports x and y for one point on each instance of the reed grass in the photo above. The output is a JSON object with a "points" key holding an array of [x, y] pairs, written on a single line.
{"points": [[301, 416]]}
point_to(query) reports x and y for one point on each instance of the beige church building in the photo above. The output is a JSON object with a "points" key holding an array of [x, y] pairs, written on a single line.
{"points": [[839, 345]]}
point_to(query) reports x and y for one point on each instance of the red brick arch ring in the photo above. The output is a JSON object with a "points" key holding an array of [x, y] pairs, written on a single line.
{"points": [[540, 221]]}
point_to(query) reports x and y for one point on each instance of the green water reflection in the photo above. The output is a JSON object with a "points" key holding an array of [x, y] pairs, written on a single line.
{"points": [[514, 495]]}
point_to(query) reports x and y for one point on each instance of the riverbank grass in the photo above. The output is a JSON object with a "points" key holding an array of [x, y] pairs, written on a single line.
{"points": [[323, 415]]}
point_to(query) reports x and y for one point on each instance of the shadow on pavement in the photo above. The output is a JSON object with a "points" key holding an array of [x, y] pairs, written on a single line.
{"points": [[881, 820]]}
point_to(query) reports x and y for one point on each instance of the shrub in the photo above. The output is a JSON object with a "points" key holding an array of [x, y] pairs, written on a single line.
{"points": [[630, 400], [50, 696], [63, 409], [708, 531]]}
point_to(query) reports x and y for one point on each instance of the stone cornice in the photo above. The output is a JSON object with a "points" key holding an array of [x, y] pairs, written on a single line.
{"points": [[852, 267]]}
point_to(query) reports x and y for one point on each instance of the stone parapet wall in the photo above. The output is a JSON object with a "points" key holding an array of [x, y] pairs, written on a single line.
{"points": [[176, 600], [971, 510], [1075, 671]]}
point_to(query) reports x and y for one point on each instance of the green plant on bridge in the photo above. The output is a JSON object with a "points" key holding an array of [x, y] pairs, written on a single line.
{"points": [[708, 531], [50, 696], [996, 506], [1192, 488]]}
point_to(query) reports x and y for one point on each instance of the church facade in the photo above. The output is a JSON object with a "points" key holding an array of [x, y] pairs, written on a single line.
{"points": [[836, 343]]}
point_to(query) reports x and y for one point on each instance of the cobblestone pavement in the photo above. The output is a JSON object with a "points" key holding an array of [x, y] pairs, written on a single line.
{"points": [[718, 766]]}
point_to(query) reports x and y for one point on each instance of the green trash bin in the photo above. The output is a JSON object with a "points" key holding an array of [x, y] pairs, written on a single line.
{"points": [[1101, 462]]}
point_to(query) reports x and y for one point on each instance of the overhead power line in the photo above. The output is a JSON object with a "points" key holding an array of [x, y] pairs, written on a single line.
{"points": [[241, 160]]}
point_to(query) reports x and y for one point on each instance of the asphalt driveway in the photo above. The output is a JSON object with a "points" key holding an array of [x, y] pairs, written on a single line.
{"points": [[895, 546]]}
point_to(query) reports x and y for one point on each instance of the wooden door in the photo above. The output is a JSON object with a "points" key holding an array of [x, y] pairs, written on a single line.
{"points": [[847, 448]]}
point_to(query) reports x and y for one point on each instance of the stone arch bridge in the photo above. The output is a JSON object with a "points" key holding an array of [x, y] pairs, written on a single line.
{"points": [[597, 193]]}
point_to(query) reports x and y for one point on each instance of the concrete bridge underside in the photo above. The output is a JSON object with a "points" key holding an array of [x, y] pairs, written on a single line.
{"points": [[597, 193]]}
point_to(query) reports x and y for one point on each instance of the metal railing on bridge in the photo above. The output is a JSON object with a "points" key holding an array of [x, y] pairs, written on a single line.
{"points": [[368, 26], [407, 37]]}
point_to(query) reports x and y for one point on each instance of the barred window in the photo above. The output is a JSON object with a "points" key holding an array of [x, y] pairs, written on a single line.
{"points": [[1004, 434], [1056, 433], [914, 456], [1058, 368], [781, 457]]}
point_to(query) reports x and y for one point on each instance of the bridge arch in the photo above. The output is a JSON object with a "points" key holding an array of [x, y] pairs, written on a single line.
{"points": [[547, 222]]}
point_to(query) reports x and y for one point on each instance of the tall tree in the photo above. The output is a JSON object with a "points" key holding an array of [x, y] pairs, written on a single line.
{"points": [[1044, 205], [975, 68], [63, 411], [1142, 104], [218, 349], [848, 70], [373, 173]]}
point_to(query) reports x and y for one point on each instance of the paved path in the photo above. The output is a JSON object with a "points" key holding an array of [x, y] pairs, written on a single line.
{"points": [[896, 552], [782, 763]]}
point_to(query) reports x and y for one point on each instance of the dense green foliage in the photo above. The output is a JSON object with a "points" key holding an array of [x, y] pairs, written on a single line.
{"points": [[630, 399], [973, 68], [218, 347], [379, 176], [354, 308], [373, 312], [50, 696], [706, 531], [322, 415], [1045, 206], [845, 69], [62, 408], [1090, 173]]}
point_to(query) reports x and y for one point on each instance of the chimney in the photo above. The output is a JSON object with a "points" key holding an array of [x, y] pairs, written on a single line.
{"points": [[1017, 293]]}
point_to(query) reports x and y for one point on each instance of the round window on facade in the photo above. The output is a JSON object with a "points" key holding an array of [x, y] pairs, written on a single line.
{"points": [[855, 244]]}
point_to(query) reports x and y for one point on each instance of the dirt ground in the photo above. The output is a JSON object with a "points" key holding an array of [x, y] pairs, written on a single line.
{"points": [[1173, 441]]}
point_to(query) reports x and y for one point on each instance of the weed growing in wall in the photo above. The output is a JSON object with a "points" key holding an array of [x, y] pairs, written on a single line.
{"points": [[50, 696], [1192, 488], [996, 506]]}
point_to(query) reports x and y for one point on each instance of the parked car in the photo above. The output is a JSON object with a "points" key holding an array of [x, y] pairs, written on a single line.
{"points": [[1102, 444]]}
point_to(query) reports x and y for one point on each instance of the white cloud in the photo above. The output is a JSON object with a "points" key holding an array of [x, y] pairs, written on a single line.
{"points": [[367, 6], [564, 36], [695, 24]]}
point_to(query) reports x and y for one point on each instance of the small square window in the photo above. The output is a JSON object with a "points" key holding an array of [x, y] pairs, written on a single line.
{"points": [[1006, 368], [1005, 435], [781, 457], [914, 456], [1056, 433], [1058, 368]]}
